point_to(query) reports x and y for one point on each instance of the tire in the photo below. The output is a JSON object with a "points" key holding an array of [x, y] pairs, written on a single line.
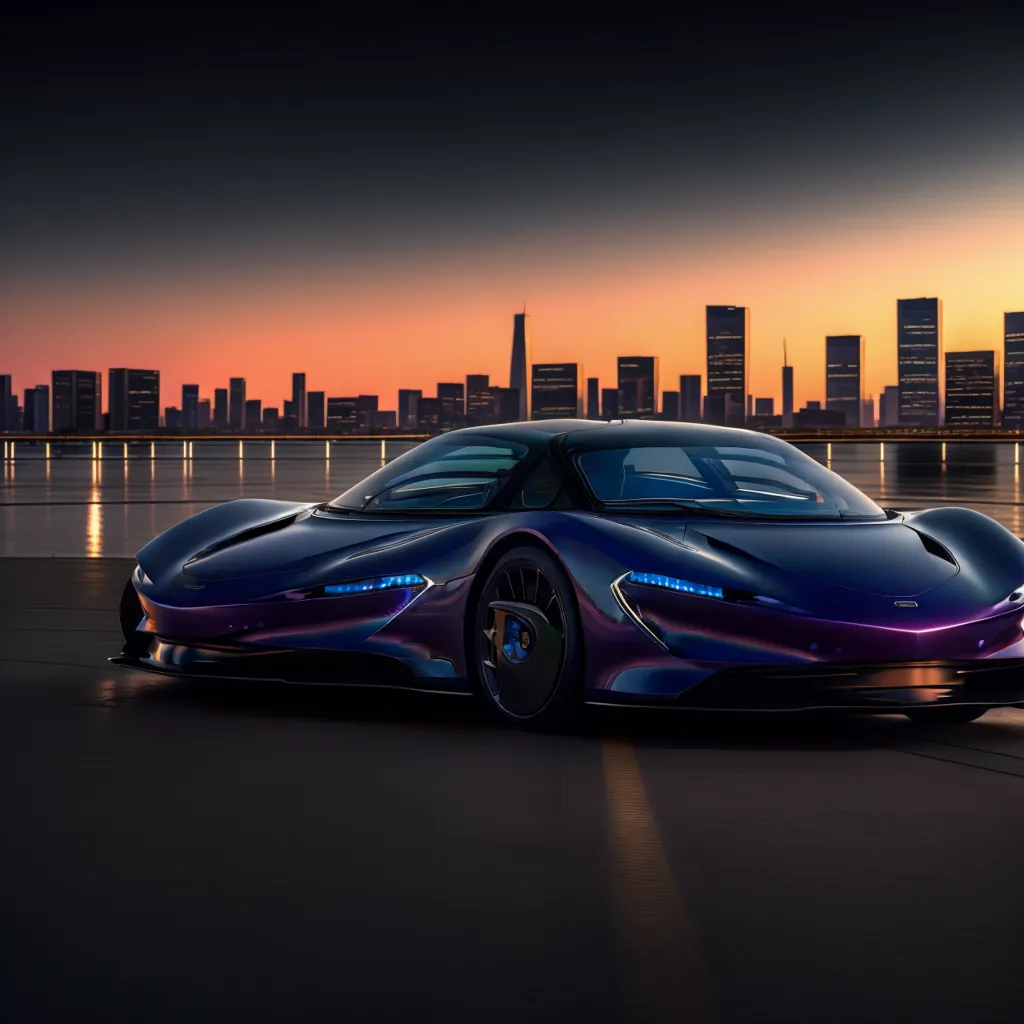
{"points": [[950, 714], [524, 649], [130, 613]]}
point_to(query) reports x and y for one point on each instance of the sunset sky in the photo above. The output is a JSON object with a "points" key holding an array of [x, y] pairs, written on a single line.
{"points": [[371, 202]]}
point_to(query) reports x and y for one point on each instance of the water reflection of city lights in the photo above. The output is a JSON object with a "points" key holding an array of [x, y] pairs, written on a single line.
{"points": [[94, 517]]}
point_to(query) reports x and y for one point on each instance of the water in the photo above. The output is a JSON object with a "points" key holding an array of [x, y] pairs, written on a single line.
{"points": [[76, 505]]}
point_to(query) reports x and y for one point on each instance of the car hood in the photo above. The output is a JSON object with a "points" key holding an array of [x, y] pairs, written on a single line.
{"points": [[299, 545], [887, 559]]}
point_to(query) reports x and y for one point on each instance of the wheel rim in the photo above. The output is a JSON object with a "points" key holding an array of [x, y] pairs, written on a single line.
{"points": [[521, 645]]}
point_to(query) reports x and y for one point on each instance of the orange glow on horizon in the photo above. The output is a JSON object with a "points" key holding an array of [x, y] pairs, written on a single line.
{"points": [[413, 325]]}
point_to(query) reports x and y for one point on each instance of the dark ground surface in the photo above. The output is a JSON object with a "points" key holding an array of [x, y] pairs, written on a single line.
{"points": [[184, 852]]}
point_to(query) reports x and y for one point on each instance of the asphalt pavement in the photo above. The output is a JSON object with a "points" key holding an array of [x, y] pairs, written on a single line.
{"points": [[176, 851]]}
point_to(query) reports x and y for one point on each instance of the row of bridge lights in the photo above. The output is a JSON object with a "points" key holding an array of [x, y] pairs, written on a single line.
{"points": [[186, 450]]}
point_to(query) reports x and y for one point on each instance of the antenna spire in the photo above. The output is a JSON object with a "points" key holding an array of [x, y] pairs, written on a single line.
{"points": [[785, 358]]}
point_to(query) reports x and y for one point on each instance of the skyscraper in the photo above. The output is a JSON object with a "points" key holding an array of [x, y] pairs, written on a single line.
{"points": [[299, 398], [919, 351], [77, 400], [972, 389], [787, 389], [37, 409], [315, 410], [408, 409], [143, 399], [220, 408], [764, 406], [429, 413], [1013, 371], [453, 404], [557, 390], [253, 415], [670, 405], [638, 386], [609, 403], [728, 354], [844, 375], [236, 407], [190, 406], [6, 395], [593, 398], [203, 414], [521, 358], [134, 400], [689, 398], [366, 411], [342, 414], [889, 406], [479, 399], [117, 399]]}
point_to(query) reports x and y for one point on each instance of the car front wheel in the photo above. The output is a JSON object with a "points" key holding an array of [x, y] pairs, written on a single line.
{"points": [[525, 645]]}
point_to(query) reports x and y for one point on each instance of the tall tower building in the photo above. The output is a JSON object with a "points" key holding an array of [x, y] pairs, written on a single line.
{"points": [[728, 353], [689, 398], [844, 375], [557, 390], [519, 372], [638, 386], [409, 408], [593, 398], [190, 406], [299, 398], [6, 398], [919, 350], [77, 400], [315, 410], [972, 389], [236, 403], [220, 408], [1013, 370], [479, 399], [787, 389]]}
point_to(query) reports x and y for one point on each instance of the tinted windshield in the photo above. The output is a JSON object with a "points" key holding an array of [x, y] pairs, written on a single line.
{"points": [[779, 481], [444, 474]]}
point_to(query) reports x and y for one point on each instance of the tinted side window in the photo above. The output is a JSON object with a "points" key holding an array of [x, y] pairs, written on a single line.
{"points": [[446, 474]]}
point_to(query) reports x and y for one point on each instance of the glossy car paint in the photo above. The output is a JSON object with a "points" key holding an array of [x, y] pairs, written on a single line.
{"points": [[941, 590]]}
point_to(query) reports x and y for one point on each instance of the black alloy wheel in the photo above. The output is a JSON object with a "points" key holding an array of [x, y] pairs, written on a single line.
{"points": [[946, 714], [524, 648]]}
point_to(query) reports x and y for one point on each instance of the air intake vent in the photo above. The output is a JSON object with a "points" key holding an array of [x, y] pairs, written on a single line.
{"points": [[241, 538], [933, 547]]}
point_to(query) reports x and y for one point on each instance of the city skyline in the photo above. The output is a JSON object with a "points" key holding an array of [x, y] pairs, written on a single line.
{"points": [[718, 330], [807, 385], [554, 390]]}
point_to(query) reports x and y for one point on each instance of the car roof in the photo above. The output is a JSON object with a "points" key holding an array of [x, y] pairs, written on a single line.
{"points": [[624, 433]]}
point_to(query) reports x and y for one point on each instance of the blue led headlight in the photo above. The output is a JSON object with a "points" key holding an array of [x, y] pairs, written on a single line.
{"points": [[652, 579], [376, 583]]}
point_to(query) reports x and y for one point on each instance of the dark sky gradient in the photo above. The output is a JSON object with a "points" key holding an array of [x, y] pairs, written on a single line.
{"points": [[135, 141]]}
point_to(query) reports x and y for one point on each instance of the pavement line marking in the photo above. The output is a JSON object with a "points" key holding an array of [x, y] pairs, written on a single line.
{"points": [[665, 976]]}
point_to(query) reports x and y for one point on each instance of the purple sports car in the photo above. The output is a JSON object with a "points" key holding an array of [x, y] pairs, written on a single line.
{"points": [[546, 565]]}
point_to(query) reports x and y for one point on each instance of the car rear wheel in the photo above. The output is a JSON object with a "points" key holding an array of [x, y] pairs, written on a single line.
{"points": [[524, 645], [952, 714]]}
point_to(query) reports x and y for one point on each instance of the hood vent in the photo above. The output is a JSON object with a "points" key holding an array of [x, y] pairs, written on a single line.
{"points": [[241, 538], [933, 547]]}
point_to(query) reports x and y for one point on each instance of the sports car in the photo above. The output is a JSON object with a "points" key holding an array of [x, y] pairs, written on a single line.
{"points": [[546, 565]]}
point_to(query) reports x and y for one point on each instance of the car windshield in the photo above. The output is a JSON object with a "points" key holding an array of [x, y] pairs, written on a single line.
{"points": [[445, 474], [780, 481]]}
